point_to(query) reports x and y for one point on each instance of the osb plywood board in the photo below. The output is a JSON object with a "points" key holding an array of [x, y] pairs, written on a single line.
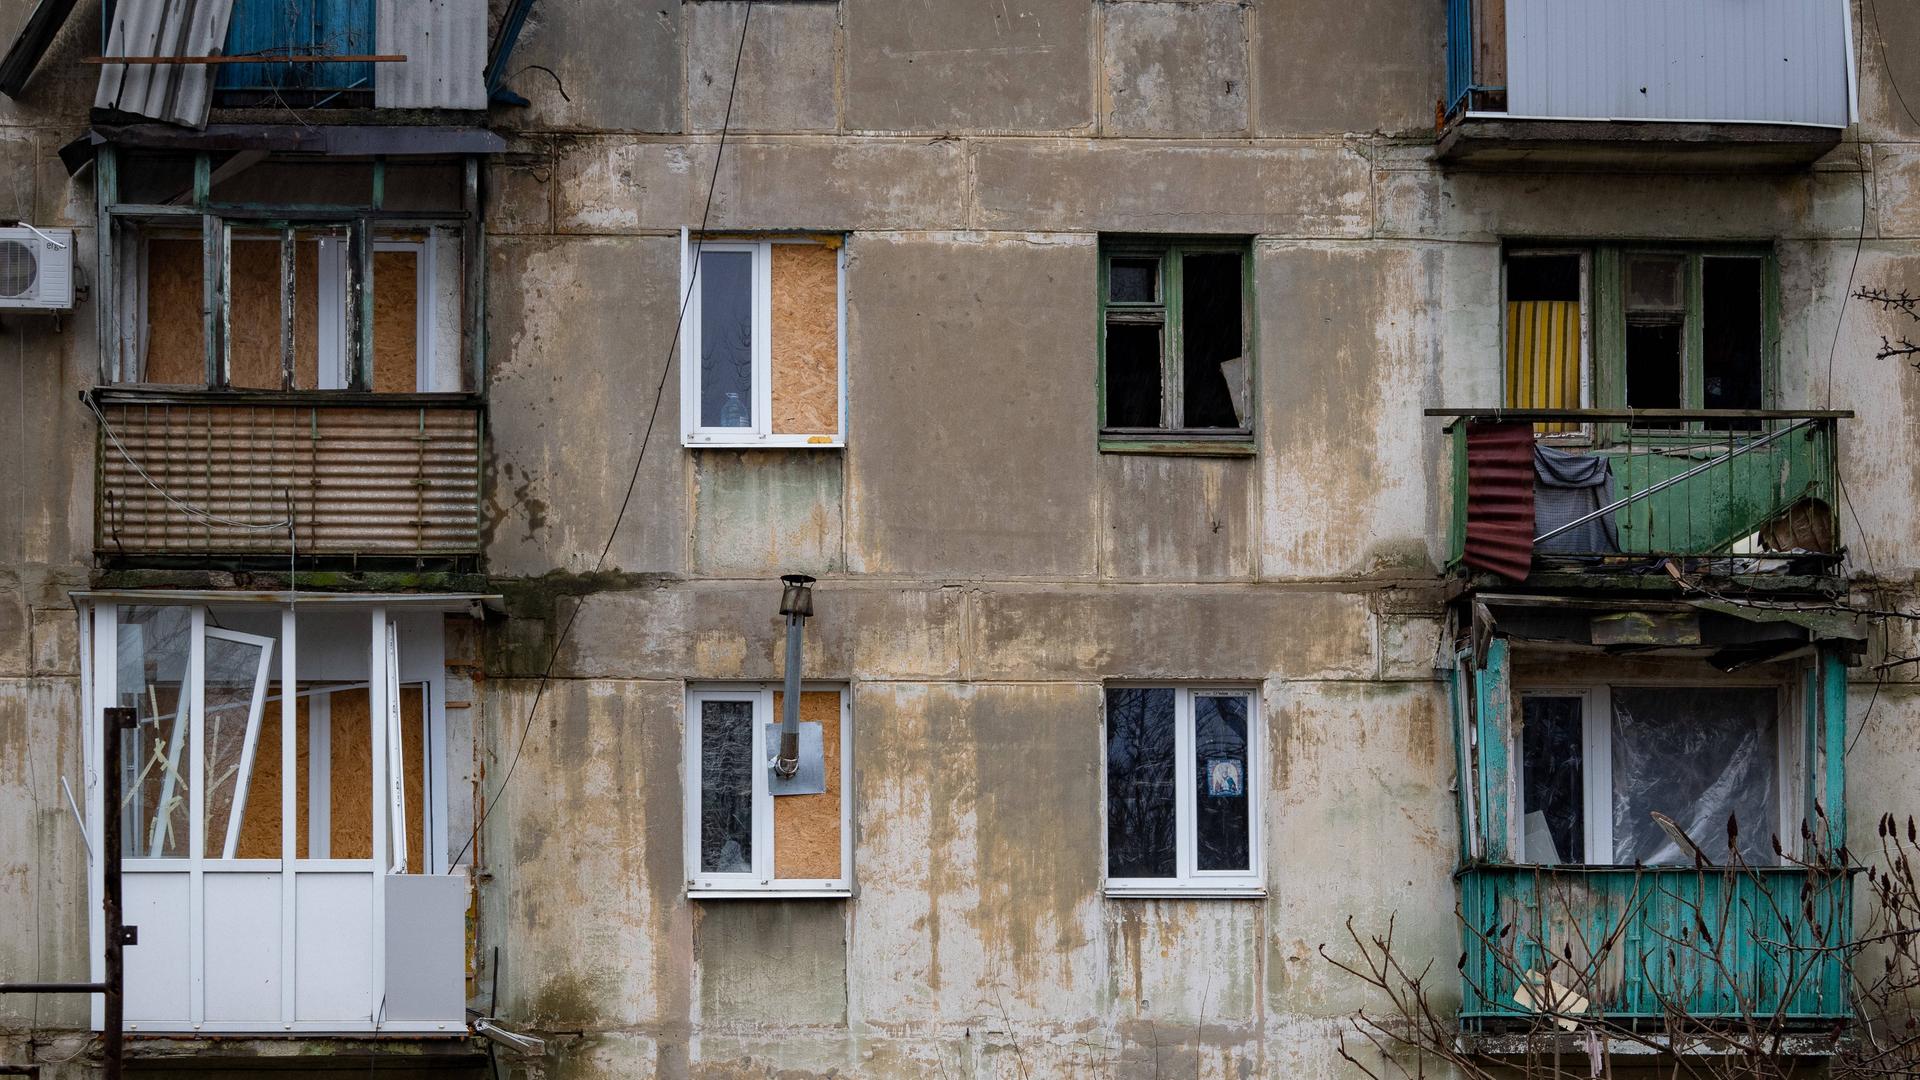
{"points": [[396, 328], [175, 353], [806, 340], [412, 746], [350, 821], [806, 828], [253, 314], [260, 823]]}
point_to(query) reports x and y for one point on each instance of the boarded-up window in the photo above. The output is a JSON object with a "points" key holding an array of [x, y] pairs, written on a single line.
{"points": [[745, 832], [406, 328], [762, 357]]}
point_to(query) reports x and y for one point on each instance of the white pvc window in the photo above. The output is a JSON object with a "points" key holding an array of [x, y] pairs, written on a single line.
{"points": [[735, 824], [1596, 764], [763, 343], [1183, 790]]}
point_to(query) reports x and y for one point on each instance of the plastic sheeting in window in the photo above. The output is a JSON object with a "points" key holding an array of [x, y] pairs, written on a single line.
{"points": [[1701, 756]]}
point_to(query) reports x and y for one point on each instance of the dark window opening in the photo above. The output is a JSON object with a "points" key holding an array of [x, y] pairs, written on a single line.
{"points": [[1214, 369], [1553, 802], [1133, 281], [1133, 375], [1731, 334], [1543, 277]]}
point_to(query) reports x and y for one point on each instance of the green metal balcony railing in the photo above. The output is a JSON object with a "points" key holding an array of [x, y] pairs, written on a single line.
{"points": [[1756, 485], [1639, 945]]}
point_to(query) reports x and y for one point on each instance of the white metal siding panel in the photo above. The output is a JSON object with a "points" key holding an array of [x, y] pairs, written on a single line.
{"points": [[1754, 61], [445, 43], [176, 93]]}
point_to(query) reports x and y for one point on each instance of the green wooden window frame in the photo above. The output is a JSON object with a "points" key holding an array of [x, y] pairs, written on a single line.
{"points": [[1167, 311], [1607, 320]]}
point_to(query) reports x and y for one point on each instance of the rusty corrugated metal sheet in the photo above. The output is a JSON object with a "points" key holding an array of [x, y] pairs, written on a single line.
{"points": [[1500, 498], [176, 93], [385, 479], [445, 43]]}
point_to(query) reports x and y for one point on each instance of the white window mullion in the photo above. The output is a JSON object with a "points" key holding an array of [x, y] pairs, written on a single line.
{"points": [[1183, 781], [289, 808], [196, 818], [762, 340], [1599, 773], [763, 865]]}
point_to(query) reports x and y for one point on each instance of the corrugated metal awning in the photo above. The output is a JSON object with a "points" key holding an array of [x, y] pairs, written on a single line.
{"points": [[445, 43], [175, 93]]}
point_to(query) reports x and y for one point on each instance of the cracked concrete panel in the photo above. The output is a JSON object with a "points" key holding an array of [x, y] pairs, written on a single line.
{"points": [[586, 849], [767, 512], [1242, 633], [616, 185], [970, 65], [979, 847], [1360, 778], [1084, 185], [1349, 355], [1896, 191], [579, 333], [1889, 59], [771, 961], [1176, 518], [617, 60], [786, 66], [1423, 204], [1175, 69], [971, 447], [1312, 82], [43, 869], [16, 639], [733, 630], [520, 187], [47, 436]]}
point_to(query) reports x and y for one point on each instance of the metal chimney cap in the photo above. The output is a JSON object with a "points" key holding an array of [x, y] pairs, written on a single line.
{"points": [[796, 598]]}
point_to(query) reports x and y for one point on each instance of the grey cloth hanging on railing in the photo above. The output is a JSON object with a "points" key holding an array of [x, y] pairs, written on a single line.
{"points": [[1567, 486]]}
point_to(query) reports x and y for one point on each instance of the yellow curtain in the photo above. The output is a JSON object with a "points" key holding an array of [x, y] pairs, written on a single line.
{"points": [[1543, 357]]}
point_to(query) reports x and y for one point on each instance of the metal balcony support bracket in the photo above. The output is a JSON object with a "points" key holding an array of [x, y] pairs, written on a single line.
{"points": [[1670, 481]]}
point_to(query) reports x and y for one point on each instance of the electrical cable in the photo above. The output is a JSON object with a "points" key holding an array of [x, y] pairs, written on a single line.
{"points": [[184, 507], [653, 414]]}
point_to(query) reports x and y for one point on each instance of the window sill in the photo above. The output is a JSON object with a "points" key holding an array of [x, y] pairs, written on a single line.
{"points": [[826, 442], [1187, 892], [769, 894], [1176, 445]]}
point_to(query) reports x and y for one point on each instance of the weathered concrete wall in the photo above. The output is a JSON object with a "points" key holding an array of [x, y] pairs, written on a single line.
{"points": [[985, 569]]}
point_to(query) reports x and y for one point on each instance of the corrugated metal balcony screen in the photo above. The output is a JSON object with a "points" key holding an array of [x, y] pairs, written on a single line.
{"points": [[392, 476]]}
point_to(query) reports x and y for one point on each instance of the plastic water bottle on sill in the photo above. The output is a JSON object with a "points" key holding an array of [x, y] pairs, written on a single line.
{"points": [[733, 413]]}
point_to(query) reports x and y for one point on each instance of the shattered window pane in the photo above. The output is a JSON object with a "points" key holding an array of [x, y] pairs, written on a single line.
{"points": [[232, 670], [1702, 756], [1140, 783], [1213, 340], [151, 676], [726, 787], [1552, 767], [1133, 375], [1222, 775]]}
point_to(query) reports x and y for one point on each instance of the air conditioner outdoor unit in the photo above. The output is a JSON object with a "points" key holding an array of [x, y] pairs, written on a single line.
{"points": [[36, 269]]}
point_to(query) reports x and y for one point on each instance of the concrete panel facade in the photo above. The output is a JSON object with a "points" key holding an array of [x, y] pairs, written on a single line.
{"points": [[986, 570]]}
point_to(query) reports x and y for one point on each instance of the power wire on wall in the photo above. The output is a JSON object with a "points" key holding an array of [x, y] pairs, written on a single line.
{"points": [[653, 414]]}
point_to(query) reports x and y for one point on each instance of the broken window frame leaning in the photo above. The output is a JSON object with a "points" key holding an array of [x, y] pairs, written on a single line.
{"points": [[761, 881], [1604, 314], [120, 288], [1168, 312], [1597, 774], [760, 432], [1188, 881]]}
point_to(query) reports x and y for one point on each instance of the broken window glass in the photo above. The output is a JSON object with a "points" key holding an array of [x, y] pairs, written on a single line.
{"points": [[726, 787], [1222, 826], [1552, 766], [232, 699], [151, 676], [1731, 333], [1133, 375], [1701, 756], [1140, 783], [726, 339], [1214, 369]]}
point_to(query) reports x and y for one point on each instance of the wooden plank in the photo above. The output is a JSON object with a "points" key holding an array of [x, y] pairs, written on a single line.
{"points": [[806, 828], [806, 339]]}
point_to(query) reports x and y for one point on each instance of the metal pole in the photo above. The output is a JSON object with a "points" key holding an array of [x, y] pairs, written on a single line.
{"points": [[788, 762]]}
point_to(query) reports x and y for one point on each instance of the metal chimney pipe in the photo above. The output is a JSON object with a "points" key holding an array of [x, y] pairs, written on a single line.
{"points": [[796, 603]]}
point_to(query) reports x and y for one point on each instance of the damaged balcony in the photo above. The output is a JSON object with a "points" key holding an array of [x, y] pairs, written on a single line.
{"points": [[268, 476], [1603, 496], [1690, 84]]}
